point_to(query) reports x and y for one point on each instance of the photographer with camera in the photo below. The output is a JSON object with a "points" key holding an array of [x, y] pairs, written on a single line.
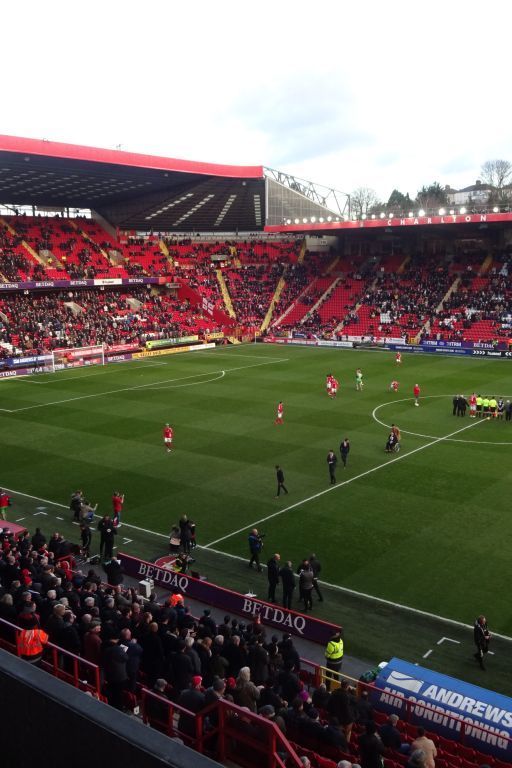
{"points": [[255, 546]]}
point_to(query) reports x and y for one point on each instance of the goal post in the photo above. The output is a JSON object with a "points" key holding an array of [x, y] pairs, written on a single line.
{"points": [[77, 357]]}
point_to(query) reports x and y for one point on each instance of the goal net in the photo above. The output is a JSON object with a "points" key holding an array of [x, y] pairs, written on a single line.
{"points": [[77, 357]]}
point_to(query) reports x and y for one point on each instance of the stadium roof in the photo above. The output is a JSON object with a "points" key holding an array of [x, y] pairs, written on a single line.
{"points": [[132, 191]]}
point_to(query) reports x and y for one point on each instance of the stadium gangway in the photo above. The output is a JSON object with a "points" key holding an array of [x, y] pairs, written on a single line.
{"points": [[241, 736], [313, 674], [60, 663]]}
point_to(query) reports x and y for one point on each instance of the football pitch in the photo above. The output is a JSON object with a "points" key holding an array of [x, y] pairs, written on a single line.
{"points": [[428, 528]]}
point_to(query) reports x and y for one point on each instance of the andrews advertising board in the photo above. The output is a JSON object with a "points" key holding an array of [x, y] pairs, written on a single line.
{"points": [[446, 706]]}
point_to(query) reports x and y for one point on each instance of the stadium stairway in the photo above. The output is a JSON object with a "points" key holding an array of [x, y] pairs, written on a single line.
{"points": [[401, 268], [485, 266], [298, 312], [273, 303], [225, 294], [87, 237], [163, 247], [302, 252], [325, 295]]}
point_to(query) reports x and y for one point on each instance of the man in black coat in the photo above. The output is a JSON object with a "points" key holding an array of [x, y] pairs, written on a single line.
{"points": [[482, 637], [288, 581], [316, 567], [193, 699], [280, 481], [115, 660], [273, 576]]}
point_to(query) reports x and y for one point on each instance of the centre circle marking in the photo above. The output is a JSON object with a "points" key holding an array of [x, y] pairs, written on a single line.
{"points": [[430, 437]]}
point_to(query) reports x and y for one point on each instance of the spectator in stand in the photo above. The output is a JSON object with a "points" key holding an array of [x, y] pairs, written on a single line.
{"points": [[193, 699], [246, 694], [390, 735], [422, 742], [115, 660], [371, 747]]}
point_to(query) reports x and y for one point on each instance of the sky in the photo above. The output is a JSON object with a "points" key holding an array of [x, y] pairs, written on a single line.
{"points": [[369, 94]]}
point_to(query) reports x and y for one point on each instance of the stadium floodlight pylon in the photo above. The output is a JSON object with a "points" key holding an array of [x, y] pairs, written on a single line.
{"points": [[77, 357]]}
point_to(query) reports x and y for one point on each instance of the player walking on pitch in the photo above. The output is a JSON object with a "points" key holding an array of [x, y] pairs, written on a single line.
{"points": [[359, 380], [280, 413], [393, 387], [168, 435], [398, 358], [416, 392]]}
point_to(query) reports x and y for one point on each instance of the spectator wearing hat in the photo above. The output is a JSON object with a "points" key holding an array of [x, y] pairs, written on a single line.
{"points": [[269, 713], [207, 624], [193, 699]]}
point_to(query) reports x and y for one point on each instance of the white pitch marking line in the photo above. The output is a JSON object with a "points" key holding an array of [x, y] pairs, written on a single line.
{"points": [[338, 587], [19, 519], [40, 513], [427, 654], [341, 485], [142, 386], [429, 437], [194, 383], [127, 541], [138, 364], [448, 640], [59, 518]]}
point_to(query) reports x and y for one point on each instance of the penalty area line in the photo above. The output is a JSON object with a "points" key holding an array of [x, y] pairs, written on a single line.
{"points": [[154, 385], [336, 487]]}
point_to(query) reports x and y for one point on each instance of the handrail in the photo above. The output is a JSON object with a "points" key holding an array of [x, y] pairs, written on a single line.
{"points": [[92, 681], [222, 739], [401, 704]]}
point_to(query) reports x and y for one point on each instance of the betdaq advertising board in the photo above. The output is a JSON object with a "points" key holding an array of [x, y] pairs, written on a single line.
{"points": [[247, 606], [446, 706]]}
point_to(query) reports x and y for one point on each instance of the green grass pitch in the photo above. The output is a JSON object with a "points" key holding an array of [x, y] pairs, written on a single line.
{"points": [[428, 528]]}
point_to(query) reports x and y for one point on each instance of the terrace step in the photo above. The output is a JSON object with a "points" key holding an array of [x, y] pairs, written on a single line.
{"points": [[275, 298], [485, 266], [325, 295], [225, 294], [302, 252], [292, 305]]}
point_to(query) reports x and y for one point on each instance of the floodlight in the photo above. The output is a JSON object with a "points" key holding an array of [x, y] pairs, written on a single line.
{"points": [[391, 215], [304, 220], [313, 219], [451, 211], [383, 215], [296, 221], [495, 209], [373, 216], [463, 210], [321, 219], [421, 212], [363, 216], [329, 218], [442, 211], [410, 214]]}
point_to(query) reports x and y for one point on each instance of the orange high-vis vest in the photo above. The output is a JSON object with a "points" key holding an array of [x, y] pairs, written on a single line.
{"points": [[30, 642]]}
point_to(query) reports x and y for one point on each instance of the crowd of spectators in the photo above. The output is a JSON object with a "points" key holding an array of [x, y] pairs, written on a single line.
{"points": [[46, 321]]}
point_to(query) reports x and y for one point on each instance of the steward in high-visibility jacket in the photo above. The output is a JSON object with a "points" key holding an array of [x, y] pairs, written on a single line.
{"points": [[30, 643], [334, 657]]}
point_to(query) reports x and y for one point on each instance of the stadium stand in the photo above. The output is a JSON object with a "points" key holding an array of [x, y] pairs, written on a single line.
{"points": [[218, 687]]}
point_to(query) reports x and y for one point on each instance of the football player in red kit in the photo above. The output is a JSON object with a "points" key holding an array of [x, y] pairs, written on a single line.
{"points": [[394, 386], [168, 435], [280, 413], [328, 383], [334, 386], [398, 358], [117, 507], [416, 392]]}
